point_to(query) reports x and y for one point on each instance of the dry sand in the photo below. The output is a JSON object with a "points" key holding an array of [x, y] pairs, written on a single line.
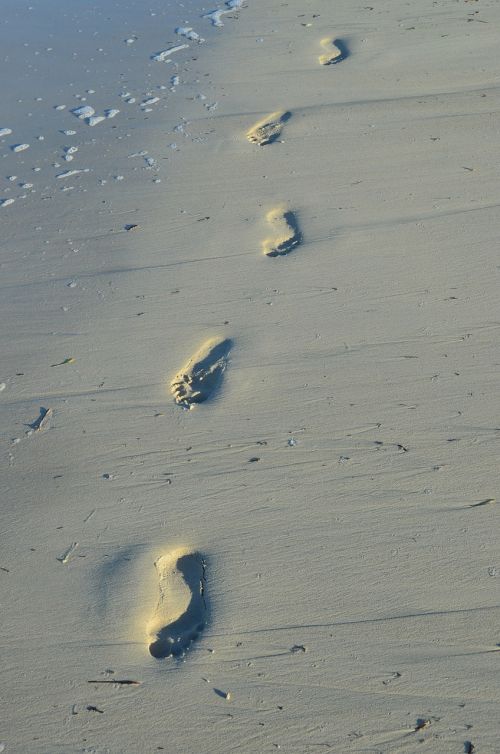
{"points": [[316, 516]]}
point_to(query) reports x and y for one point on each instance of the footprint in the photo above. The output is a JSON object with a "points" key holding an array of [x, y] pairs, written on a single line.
{"points": [[336, 51], [286, 233], [181, 611], [269, 129], [202, 375]]}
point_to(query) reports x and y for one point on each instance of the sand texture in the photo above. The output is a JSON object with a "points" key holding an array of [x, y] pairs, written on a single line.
{"points": [[249, 377]]}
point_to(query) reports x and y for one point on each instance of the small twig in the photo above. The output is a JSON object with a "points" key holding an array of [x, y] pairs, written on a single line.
{"points": [[483, 502], [69, 360], [125, 682], [421, 725], [43, 419]]}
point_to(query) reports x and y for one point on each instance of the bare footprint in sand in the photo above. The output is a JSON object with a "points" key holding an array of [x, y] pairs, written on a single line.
{"points": [[286, 234], [202, 375], [181, 611], [269, 129], [336, 51]]}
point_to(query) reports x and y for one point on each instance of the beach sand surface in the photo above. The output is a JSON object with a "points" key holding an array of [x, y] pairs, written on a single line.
{"points": [[290, 460]]}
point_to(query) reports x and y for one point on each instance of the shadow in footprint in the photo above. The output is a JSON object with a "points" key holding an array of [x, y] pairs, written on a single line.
{"points": [[339, 51], [274, 130], [286, 116], [202, 376], [293, 239], [174, 639], [269, 129]]}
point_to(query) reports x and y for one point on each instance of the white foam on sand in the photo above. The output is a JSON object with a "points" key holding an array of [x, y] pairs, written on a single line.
{"points": [[88, 114], [84, 111], [189, 33], [215, 16], [150, 101], [69, 173], [164, 55], [94, 120]]}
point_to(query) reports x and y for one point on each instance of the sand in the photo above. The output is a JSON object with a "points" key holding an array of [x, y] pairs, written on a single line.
{"points": [[295, 555]]}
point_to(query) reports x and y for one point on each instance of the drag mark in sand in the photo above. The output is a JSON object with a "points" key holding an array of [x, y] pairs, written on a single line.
{"points": [[286, 232], [269, 129], [336, 51], [202, 374], [180, 614]]}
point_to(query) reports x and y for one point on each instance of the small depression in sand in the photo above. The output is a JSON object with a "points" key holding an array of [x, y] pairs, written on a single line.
{"points": [[286, 234], [180, 614], [202, 376], [268, 129], [335, 51]]}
